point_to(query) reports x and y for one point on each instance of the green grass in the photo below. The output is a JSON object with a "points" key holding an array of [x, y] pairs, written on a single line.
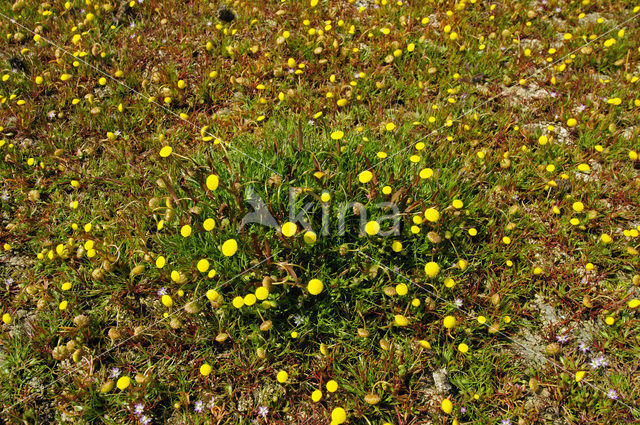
{"points": [[448, 101]]}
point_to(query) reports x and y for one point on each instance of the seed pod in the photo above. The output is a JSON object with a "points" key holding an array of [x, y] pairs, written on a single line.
{"points": [[266, 325], [552, 349], [192, 307], [107, 386], [81, 321], [97, 274], [71, 345], [114, 334], [175, 323], [363, 333], [222, 337], [266, 282], [429, 304], [390, 291], [372, 399], [169, 214], [534, 385], [153, 203], [59, 353], [77, 355], [42, 303], [96, 49], [141, 379], [108, 266], [137, 270], [261, 353], [18, 6], [384, 344], [434, 237]]}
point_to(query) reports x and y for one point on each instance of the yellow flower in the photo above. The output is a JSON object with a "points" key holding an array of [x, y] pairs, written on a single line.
{"points": [[185, 231], [212, 295], [446, 406], [580, 375], [315, 286], [426, 173], [317, 394], [249, 299], [262, 293], [310, 237], [212, 182], [7, 319], [401, 320], [63, 305], [167, 301], [432, 215], [390, 126], [203, 265], [572, 122], [338, 416], [425, 344], [337, 135], [396, 246], [402, 289], [282, 376], [432, 269], [209, 224], [289, 229], [372, 228], [166, 151], [463, 348], [606, 238], [457, 204], [229, 247], [160, 262], [238, 302], [610, 320], [634, 303], [332, 386], [577, 206], [449, 322], [205, 369], [365, 176], [123, 383]]}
